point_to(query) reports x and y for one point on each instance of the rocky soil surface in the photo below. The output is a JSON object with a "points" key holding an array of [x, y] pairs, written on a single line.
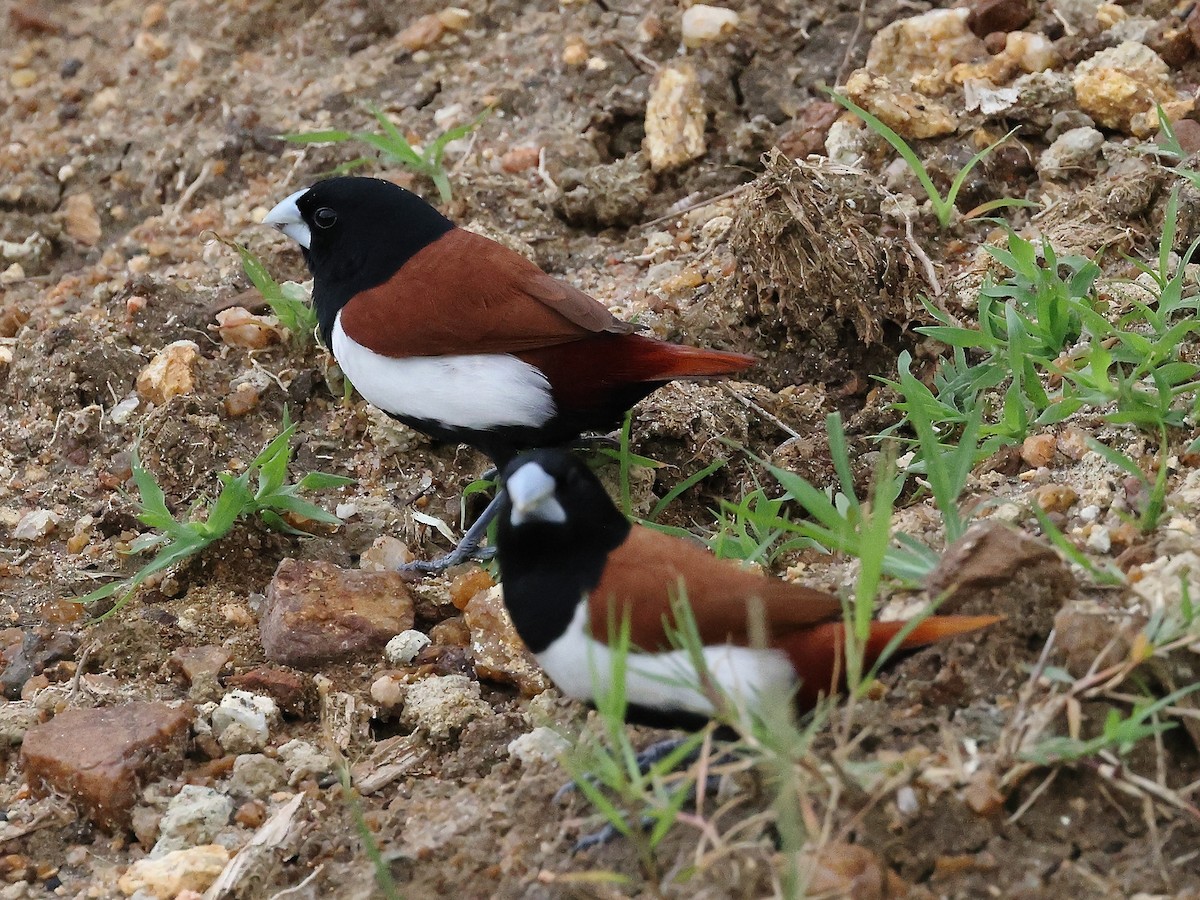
{"points": [[262, 719]]}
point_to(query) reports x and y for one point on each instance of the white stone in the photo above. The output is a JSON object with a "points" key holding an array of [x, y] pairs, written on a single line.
{"points": [[703, 24], [303, 760], [443, 705], [189, 871], [404, 647], [256, 775], [35, 525], [242, 721], [1070, 152], [540, 745], [194, 816], [120, 413]]}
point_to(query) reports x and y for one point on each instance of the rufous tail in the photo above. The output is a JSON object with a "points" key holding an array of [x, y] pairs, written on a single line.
{"points": [[816, 653]]}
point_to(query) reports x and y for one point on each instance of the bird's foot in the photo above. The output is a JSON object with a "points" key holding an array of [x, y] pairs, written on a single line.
{"points": [[457, 556], [468, 548]]}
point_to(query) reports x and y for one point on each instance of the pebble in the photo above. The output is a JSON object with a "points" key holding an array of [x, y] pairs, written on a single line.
{"points": [[454, 18], [421, 33], [176, 874], [909, 114], [100, 757], [675, 118], [1119, 83], [540, 745], [1099, 539], [16, 718], [241, 723], [388, 691], [256, 775], [443, 705], [80, 219], [935, 41], [575, 52], [1055, 497], [171, 373], [1038, 450], [35, 525], [23, 78], [404, 647], [288, 689], [193, 817], [304, 760], [199, 663], [520, 159], [498, 651], [988, 16], [385, 554], [703, 24], [238, 327], [242, 400], [316, 612], [1072, 153]]}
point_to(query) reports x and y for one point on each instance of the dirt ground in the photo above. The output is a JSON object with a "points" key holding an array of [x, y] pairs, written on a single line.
{"points": [[131, 131]]}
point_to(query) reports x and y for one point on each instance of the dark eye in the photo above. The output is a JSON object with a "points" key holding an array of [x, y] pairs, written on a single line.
{"points": [[324, 217]]}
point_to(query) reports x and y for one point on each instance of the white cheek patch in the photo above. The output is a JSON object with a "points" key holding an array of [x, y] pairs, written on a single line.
{"points": [[476, 391], [580, 665]]}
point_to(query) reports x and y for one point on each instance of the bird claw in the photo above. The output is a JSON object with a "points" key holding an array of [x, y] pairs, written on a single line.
{"points": [[459, 554]]}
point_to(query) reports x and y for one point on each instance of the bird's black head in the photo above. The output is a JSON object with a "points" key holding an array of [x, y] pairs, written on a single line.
{"points": [[556, 529], [356, 233]]}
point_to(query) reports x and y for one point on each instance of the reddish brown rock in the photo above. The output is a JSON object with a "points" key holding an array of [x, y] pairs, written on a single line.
{"points": [[808, 133], [498, 650], [197, 663], [995, 569], [287, 689], [100, 758], [987, 16], [316, 613]]}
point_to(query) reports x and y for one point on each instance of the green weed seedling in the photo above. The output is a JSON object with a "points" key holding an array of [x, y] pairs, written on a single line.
{"points": [[290, 302], [837, 519], [943, 207], [270, 498], [641, 806], [395, 148], [1119, 735]]}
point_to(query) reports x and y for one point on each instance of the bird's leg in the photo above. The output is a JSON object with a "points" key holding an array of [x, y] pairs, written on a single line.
{"points": [[468, 547]]}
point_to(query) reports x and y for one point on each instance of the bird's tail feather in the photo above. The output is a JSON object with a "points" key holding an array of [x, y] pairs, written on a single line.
{"points": [[817, 653]]}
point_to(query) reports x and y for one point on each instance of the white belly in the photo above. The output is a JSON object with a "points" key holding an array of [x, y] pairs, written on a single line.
{"points": [[665, 680], [477, 391]]}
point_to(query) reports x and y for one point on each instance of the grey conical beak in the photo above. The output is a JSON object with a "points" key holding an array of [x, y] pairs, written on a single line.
{"points": [[286, 217]]}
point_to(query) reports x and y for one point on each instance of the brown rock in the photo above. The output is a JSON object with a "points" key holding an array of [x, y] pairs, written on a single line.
{"points": [[851, 870], [908, 113], [1056, 497], [995, 569], [987, 16], [317, 612], [989, 554], [521, 158], [464, 587], [238, 327], [499, 653], [287, 689], [80, 219], [807, 135], [421, 33], [1084, 631], [170, 373], [100, 758], [196, 663], [242, 400], [982, 794], [1038, 450]]}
